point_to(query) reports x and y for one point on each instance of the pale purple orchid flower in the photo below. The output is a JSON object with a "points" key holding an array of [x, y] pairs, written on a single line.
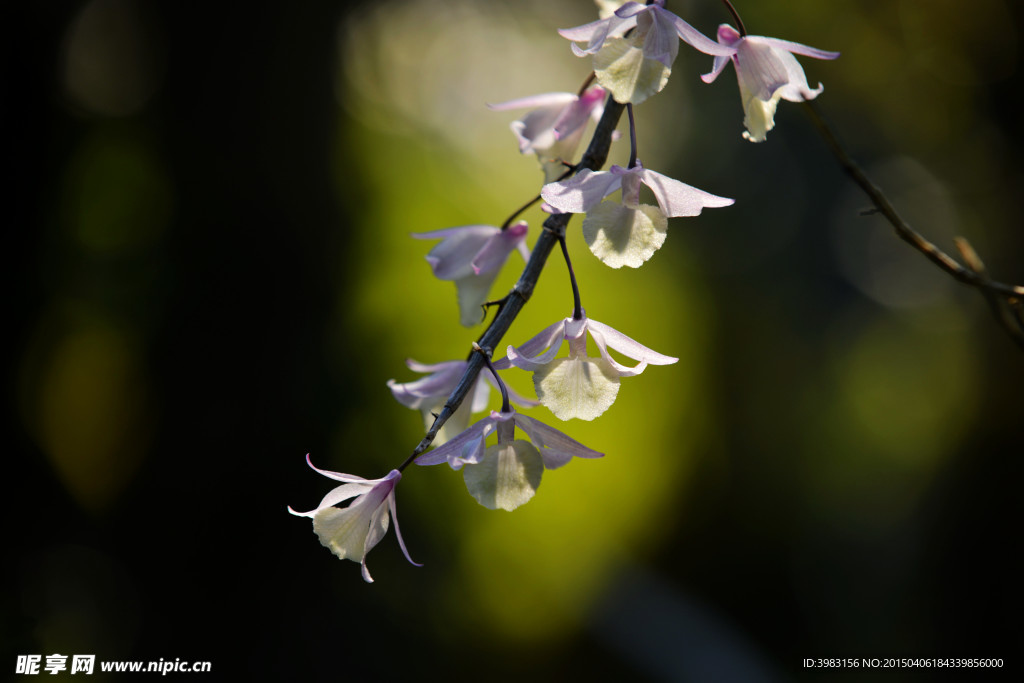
{"points": [[352, 532], [555, 126], [429, 394], [634, 67], [767, 71], [472, 256], [507, 474], [579, 385], [626, 234]]}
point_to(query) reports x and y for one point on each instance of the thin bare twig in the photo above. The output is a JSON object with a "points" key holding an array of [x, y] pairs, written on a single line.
{"points": [[1005, 300]]}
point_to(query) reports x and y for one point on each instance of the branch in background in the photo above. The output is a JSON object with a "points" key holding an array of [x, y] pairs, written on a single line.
{"points": [[1006, 301]]}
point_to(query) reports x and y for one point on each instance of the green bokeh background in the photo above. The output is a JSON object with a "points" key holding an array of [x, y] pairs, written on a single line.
{"points": [[212, 275]]}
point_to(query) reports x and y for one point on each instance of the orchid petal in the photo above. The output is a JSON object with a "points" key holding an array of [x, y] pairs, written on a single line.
{"points": [[761, 69], [679, 199], [455, 424], [548, 99], [417, 366], [345, 531], [542, 340], [532, 364], [341, 494], [586, 33], [506, 477], [378, 527], [536, 131], [575, 116], [577, 387], [758, 115], [795, 48], [595, 33], [398, 532], [716, 68], [728, 36], [635, 350], [661, 42], [451, 259], [624, 70], [339, 476], [622, 370], [795, 89], [555, 448], [630, 183], [630, 9], [621, 236], [698, 40], [472, 292], [627, 346], [496, 250], [480, 393], [427, 389], [453, 447], [335, 496], [581, 192]]}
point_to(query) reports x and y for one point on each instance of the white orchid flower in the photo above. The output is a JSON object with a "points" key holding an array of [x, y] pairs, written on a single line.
{"points": [[554, 127], [767, 71], [472, 256], [629, 233], [579, 385], [635, 66], [352, 532]]}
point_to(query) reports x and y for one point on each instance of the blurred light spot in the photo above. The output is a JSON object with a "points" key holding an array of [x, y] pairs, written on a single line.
{"points": [[116, 197], [870, 254], [909, 394], [90, 413], [904, 396], [429, 67], [112, 58]]}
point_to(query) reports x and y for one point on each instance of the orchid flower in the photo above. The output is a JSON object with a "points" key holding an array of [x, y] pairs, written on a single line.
{"points": [[767, 71], [635, 66], [352, 532], [472, 256], [579, 385], [507, 474], [626, 234], [429, 394], [554, 127]]}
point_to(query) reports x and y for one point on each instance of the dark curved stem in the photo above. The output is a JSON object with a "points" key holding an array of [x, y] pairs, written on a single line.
{"points": [[577, 306], [736, 15], [586, 84], [517, 212], [632, 137], [486, 353]]}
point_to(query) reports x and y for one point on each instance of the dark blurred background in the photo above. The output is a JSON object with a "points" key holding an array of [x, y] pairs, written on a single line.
{"points": [[210, 276]]}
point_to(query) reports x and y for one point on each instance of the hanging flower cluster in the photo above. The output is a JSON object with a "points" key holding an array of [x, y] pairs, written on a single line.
{"points": [[632, 48]]}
